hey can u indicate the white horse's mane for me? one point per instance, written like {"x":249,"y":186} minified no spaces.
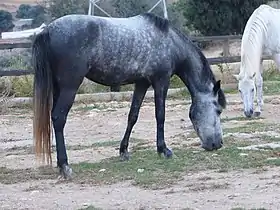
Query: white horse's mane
{"x":254,"y":36}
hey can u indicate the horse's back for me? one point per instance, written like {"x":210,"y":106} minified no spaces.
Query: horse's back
{"x":117,"y":48}
{"x":264,"y":22}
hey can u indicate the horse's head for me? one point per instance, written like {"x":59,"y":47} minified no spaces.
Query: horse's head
{"x":205,"y":114}
{"x":246,"y":87}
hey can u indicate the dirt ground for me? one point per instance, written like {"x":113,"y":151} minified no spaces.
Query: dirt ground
{"x":246,"y":188}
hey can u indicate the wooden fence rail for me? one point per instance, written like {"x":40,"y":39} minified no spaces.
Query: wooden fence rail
{"x":26,"y":43}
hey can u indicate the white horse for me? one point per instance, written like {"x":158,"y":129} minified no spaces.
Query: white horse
{"x":261,"y":35}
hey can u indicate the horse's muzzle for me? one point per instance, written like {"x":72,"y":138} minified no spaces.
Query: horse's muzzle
{"x":212,"y":146}
{"x":249,"y":113}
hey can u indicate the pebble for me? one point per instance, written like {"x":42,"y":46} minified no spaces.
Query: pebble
{"x":140,"y":170}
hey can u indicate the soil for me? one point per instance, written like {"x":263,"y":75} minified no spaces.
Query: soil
{"x":250,"y":188}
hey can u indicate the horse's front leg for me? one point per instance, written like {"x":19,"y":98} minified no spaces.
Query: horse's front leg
{"x":259,"y":90}
{"x":137,"y":99}
{"x":160,"y":89}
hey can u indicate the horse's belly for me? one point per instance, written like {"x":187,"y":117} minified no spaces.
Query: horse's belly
{"x":272,"y":43}
{"x":113,"y":76}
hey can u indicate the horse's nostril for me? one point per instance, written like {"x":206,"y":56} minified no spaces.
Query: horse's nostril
{"x":222,"y":142}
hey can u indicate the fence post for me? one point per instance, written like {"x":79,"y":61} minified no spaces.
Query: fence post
{"x":226,"y":48}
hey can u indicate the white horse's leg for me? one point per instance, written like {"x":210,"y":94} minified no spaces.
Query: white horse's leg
{"x":259,"y":90}
{"x":276,"y":58}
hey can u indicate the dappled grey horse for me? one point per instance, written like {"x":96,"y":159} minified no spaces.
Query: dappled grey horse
{"x":144,"y":50}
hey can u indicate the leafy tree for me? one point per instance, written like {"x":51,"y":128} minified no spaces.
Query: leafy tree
{"x":116,"y":8}
{"x":219,"y":17}
{"x":37,"y":13}
{"x":23,"y":11}
{"x":128,"y":8}
{"x":6,"y":21}
{"x":59,"y":8}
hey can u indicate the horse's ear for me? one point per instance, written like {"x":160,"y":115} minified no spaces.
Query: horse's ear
{"x":253,"y":75}
{"x":217,"y":87}
{"x":236,"y":76}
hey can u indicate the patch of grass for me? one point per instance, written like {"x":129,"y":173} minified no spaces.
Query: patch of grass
{"x":22,"y":86}
{"x":114,"y":143}
{"x":176,"y":82}
{"x":12,"y":176}
{"x":267,"y":138}
{"x":157,"y":172}
{"x":94,"y":145}
{"x":239,"y":208}
{"x":271,"y":87}
{"x":231,"y":91}
{"x":99,"y":106}
{"x":271,"y":74}
{"x":240,"y":119}
{"x":16,"y":62}
{"x":183,"y":94}
{"x":29,"y":149}
{"x":91,"y":107}
{"x":252,"y":127}
{"x":275,"y":162}
{"x":160,"y":172}
{"x":230,"y":141}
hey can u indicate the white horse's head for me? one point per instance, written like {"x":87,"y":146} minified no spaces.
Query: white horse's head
{"x":247,"y":89}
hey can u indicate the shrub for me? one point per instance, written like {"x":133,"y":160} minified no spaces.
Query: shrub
{"x":37,"y":13}
{"x":59,"y":8}
{"x":220,"y":17}
{"x":6,"y":21}
{"x":23,"y":11}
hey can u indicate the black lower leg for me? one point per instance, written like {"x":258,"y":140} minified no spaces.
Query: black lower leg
{"x":59,"y":115}
{"x":160,"y":88}
{"x":138,"y":96}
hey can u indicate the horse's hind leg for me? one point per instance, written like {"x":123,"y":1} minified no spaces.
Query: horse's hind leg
{"x":259,"y":90}
{"x":137,"y":99}
{"x":160,"y":88}
{"x":62,"y":103}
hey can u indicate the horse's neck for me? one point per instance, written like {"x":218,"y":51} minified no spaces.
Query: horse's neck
{"x":252,"y":48}
{"x":193,"y":69}
{"x":197,"y":77}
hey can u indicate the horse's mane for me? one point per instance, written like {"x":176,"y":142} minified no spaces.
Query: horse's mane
{"x":252,"y":40}
{"x":207,"y":73}
{"x":161,"y":23}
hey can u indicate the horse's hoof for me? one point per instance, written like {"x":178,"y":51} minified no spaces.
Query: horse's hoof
{"x":257,"y":114}
{"x":66,"y":172}
{"x":124,"y":156}
{"x":166,"y":152}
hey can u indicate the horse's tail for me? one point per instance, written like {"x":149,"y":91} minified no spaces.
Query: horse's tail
{"x":42,"y":98}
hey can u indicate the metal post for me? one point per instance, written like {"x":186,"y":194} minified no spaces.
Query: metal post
{"x":89,"y":8}
{"x":165,"y":9}
{"x":150,"y":10}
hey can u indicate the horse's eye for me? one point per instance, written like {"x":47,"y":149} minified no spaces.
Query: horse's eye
{"x":219,"y":112}
{"x":252,"y":90}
